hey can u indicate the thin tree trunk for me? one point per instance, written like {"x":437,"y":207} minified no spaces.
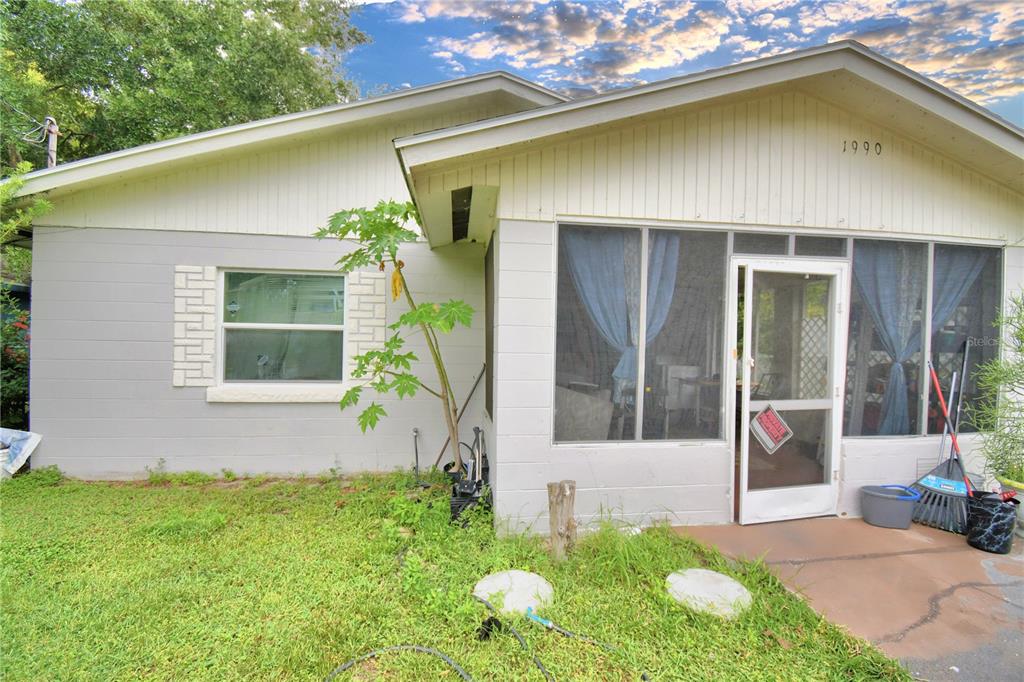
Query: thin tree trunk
{"x":449,"y":404}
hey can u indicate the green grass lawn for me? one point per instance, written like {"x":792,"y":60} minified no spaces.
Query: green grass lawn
{"x":257,"y":579}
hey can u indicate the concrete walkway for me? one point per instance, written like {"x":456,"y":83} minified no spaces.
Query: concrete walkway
{"x":924,"y":596}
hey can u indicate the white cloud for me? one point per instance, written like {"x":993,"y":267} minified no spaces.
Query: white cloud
{"x":746,"y":45}
{"x":412,"y":14}
{"x":815,"y":17}
{"x":970,"y":46}
{"x":589,"y":43}
{"x":959,"y":44}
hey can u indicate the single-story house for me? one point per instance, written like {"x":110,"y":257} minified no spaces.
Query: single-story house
{"x":652,"y":268}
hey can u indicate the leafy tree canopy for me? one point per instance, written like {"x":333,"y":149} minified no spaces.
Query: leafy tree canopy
{"x":119,"y":73}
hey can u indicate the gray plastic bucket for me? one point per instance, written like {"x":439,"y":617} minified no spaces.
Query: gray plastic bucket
{"x":888,"y":506}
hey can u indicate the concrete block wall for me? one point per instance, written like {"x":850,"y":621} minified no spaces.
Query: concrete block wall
{"x":899,"y":460}
{"x":103,"y":360}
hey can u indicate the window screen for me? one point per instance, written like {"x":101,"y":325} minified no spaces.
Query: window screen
{"x":598,"y":362}
{"x":754,"y":243}
{"x":686,"y":276}
{"x":828,"y":247}
{"x":883,"y":375}
{"x":597,"y":331}
{"x":966,"y":289}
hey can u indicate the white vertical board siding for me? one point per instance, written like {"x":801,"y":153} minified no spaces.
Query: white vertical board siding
{"x":777,"y":160}
{"x":285,"y":190}
{"x":637,"y":482}
{"x":102,"y":357}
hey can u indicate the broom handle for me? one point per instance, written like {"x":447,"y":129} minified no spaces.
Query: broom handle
{"x":963,"y":386}
{"x":945,"y":427}
{"x":945,"y":415}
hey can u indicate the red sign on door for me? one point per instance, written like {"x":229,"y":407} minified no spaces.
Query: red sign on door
{"x":770,"y":429}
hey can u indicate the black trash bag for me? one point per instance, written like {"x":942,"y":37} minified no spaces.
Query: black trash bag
{"x":990,"y":522}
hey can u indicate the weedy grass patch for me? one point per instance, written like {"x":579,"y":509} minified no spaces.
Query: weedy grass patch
{"x":285,"y":580}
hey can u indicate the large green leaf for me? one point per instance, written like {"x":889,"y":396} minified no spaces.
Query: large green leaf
{"x":369,"y":417}
{"x":455,"y":312}
{"x":351,"y":397}
{"x":405,"y":385}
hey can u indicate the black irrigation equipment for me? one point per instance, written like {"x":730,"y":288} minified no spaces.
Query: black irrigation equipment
{"x":492,"y":624}
{"x":470,"y":485}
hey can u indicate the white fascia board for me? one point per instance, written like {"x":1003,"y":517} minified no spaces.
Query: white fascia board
{"x":279,"y":128}
{"x":472,"y":138}
{"x":943,"y":103}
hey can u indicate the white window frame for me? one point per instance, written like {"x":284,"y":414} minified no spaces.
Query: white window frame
{"x":327,"y":390}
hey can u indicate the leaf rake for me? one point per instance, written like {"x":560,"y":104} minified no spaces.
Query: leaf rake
{"x":945,"y":489}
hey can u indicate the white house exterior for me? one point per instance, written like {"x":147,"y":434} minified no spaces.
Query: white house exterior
{"x":859,"y":217}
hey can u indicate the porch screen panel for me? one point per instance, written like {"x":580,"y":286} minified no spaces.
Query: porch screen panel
{"x":883,"y":388}
{"x":966,"y":290}
{"x":829,"y":247}
{"x":597,"y":330}
{"x":760,"y":244}
{"x":686,"y":276}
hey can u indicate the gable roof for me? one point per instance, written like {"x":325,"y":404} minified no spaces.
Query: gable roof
{"x":103,"y":167}
{"x":992,"y":143}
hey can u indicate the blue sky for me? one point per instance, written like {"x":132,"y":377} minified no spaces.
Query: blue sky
{"x":975,"y":48}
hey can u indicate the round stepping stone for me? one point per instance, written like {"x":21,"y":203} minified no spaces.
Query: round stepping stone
{"x":516,"y":590}
{"x":708,"y":592}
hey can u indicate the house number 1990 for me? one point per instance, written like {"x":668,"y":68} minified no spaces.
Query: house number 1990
{"x":864,"y":146}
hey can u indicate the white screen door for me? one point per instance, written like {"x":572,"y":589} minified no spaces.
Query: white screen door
{"x":792,"y":362}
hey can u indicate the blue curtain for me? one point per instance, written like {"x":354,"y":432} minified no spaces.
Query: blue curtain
{"x":889,"y":277}
{"x":605,"y":267}
{"x":662,"y":265}
{"x":956,"y":269}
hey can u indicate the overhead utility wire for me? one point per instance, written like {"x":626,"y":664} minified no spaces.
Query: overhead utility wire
{"x":22,"y":113}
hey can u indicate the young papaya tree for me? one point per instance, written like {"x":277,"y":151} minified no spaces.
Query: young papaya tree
{"x":378,"y":233}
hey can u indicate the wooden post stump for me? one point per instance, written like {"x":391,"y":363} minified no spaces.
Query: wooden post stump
{"x":561,"y":503}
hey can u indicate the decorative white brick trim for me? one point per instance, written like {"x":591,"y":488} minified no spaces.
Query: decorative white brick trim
{"x":365,"y":314}
{"x":195,"y":294}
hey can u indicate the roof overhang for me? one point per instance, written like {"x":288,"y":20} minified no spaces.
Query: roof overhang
{"x":845,"y":73}
{"x":282,"y":129}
